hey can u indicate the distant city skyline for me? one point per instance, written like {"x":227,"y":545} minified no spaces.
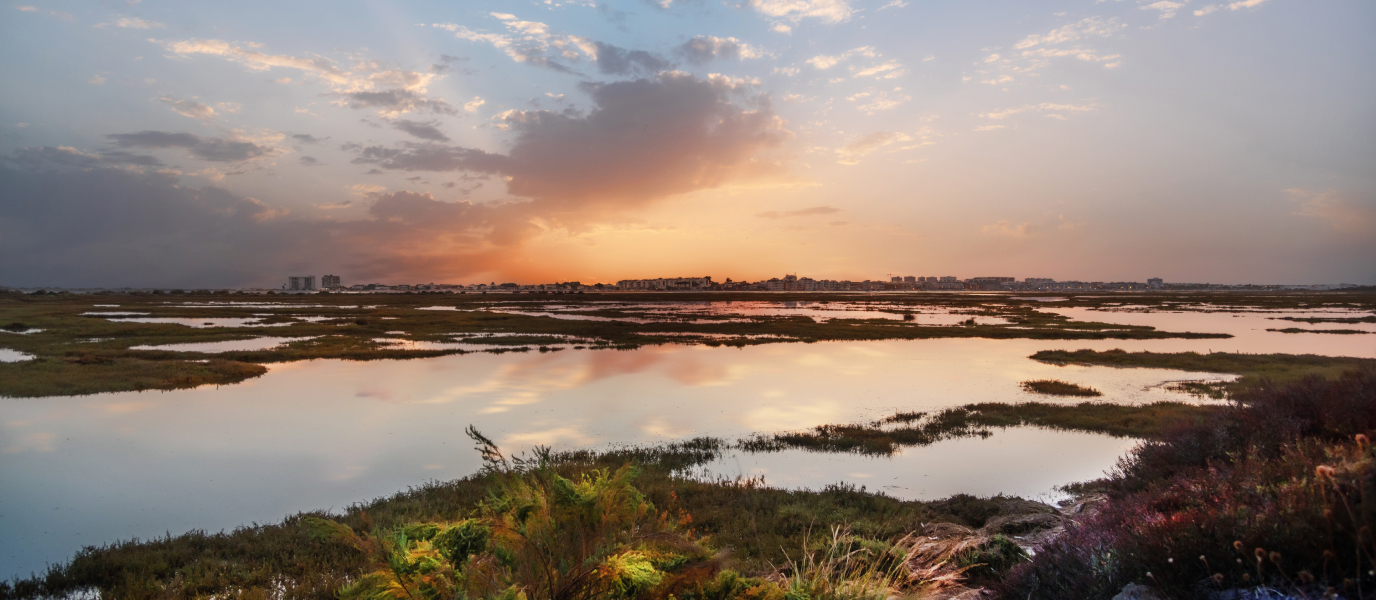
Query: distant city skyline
{"x":217,"y":144}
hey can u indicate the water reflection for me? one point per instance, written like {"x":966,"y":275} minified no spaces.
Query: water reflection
{"x":1012,"y":461}
{"x":1247,"y":328}
{"x":9,"y":355}
{"x":321,"y":434}
{"x":252,"y":344}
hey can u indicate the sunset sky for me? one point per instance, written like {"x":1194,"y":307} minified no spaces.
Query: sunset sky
{"x":219,"y":144}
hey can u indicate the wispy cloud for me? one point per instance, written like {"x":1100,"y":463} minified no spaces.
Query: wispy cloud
{"x":803,"y":212}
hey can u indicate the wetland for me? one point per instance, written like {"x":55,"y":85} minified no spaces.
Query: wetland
{"x":209,"y":412}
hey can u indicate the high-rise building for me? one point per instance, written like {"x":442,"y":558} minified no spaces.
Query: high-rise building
{"x":301,"y":284}
{"x":330,"y":282}
{"x":1155,"y":283}
{"x":909,"y":279}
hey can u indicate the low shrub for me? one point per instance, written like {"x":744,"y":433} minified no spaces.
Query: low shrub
{"x":1272,"y":492}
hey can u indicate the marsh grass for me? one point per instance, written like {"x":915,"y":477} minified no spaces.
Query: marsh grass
{"x":1333,"y":331}
{"x":886,"y":436}
{"x":1056,"y":387}
{"x":352,"y":323}
{"x":763,"y":527}
{"x":1252,"y":368}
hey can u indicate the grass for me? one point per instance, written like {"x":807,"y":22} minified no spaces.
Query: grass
{"x":347,"y":327}
{"x":763,"y":527}
{"x":888,"y":435}
{"x":89,"y":374}
{"x":1334,"y":331}
{"x":1056,"y":387}
{"x":1252,"y":368}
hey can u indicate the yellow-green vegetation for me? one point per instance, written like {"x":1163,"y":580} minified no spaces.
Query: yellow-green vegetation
{"x":619,"y":524}
{"x":350,"y":326}
{"x":1252,"y":368}
{"x":888,"y":435}
{"x":1056,"y":387}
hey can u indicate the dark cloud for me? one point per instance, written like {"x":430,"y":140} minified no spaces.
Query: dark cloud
{"x":211,"y":149}
{"x":644,"y":139}
{"x":306,"y":138}
{"x":424,"y":131}
{"x":703,"y":49}
{"x":615,"y":16}
{"x":447,"y":63}
{"x":309,"y":161}
{"x":113,"y":227}
{"x":804,"y":212}
{"x":431,"y":157}
{"x":49,"y":157}
{"x":619,"y":61}
{"x":399,"y":101}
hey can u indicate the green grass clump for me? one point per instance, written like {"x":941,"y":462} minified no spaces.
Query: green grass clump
{"x":96,"y":373}
{"x":1253,"y":368}
{"x":921,"y":429}
{"x":1056,"y":387}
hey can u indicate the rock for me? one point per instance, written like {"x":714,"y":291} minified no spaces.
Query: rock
{"x":1133,"y":591}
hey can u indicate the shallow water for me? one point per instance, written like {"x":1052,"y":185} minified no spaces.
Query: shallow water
{"x":9,"y":355}
{"x":252,"y":344}
{"x":200,"y":322}
{"x":1248,"y":330}
{"x":323,"y":434}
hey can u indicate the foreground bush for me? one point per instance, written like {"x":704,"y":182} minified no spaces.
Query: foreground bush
{"x":1273,"y":492}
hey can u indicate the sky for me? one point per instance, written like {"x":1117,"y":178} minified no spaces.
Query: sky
{"x":224,"y":144}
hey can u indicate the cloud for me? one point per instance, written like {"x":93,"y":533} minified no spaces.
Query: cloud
{"x":96,"y":80}
{"x":188,"y":108}
{"x":49,"y":158}
{"x":473,"y":106}
{"x":113,"y":227}
{"x":134,"y":23}
{"x":989,"y":127}
{"x":612,"y":60}
{"x":705,"y":48}
{"x":211,"y":149}
{"x":1230,"y":6}
{"x":1342,"y":211}
{"x":1043,"y":107}
{"x":873,"y":103}
{"x":824,"y":62}
{"x":390,"y":103}
{"x":804,"y":212}
{"x":424,"y":131}
{"x":889,"y":70}
{"x":644,"y":139}
{"x":828,"y":11}
{"x":259,"y":61}
{"x":851,"y":153}
{"x":309,"y":161}
{"x":1007,"y":229}
{"x":306,"y":138}
{"x":892,"y":4}
{"x":1166,"y":7}
{"x":1083,"y":29}
{"x":529,"y":42}
{"x":365,"y":85}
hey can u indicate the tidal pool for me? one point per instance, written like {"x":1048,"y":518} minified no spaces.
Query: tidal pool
{"x":260,"y":343}
{"x":323,"y":434}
